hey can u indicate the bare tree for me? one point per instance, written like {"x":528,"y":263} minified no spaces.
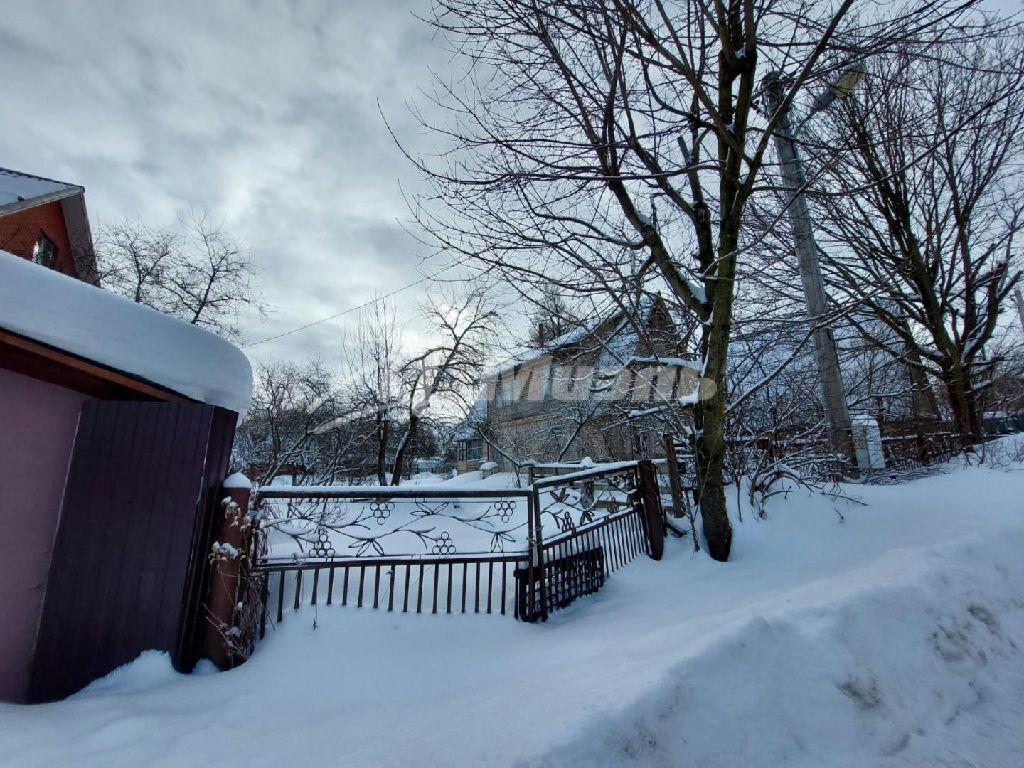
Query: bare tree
{"x":926,"y":208}
{"x":463,"y":328}
{"x":372,"y":359}
{"x":298,"y":424}
{"x":599,"y":145}
{"x":195,"y":271}
{"x":551,"y":317}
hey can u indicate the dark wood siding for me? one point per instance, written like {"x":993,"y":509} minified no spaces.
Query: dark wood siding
{"x":130,"y":553}
{"x":193,"y":618}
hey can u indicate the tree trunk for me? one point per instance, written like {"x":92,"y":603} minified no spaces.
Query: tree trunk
{"x":711,"y":415}
{"x":396,"y":472}
{"x":382,"y":448}
{"x":710,"y":458}
{"x":923,"y":403}
{"x":964,"y":405}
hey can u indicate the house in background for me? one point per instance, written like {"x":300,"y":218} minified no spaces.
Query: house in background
{"x":45,"y":221}
{"x":116,"y":425}
{"x":594,"y":392}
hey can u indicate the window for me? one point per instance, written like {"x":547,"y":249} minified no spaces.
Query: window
{"x":45,"y":252}
{"x":502,"y":394}
{"x":469,"y":450}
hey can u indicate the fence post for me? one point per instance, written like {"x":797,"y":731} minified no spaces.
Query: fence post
{"x":538,"y":543}
{"x":672,"y":462}
{"x":230,"y":566}
{"x":650,"y":508}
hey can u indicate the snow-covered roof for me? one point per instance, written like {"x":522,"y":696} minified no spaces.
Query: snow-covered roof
{"x":616,"y":349}
{"x":75,"y":317}
{"x":18,"y":188}
{"x":526,"y":354}
{"x":467,"y":428}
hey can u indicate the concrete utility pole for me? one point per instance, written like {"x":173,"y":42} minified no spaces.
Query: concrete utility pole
{"x":825,"y":354}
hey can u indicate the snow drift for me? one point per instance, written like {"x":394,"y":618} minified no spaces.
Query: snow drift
{"x":918,"y":664}
{"x":840,"y":634}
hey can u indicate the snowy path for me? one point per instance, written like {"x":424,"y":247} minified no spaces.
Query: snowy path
{"x":893,"y":638}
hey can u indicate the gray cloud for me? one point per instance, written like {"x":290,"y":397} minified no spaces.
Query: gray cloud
{"x":265,"y":113}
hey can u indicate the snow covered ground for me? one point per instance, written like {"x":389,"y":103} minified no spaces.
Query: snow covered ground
{"x":892,"y":636}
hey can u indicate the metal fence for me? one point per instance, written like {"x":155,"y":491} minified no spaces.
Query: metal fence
{"x":441,"y":549}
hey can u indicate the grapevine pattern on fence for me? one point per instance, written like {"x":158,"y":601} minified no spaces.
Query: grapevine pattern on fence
{"x":451,"y":550}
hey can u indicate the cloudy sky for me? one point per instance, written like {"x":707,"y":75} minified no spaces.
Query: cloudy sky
{"x":266,"y":113}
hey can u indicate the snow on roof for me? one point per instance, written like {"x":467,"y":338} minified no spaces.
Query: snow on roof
{"x":619,"y":356}
{"x":622,"y":344}
{"x":467,"y":428}
{"x":526,"y":354}
{"x":16,"y":187}
{"x":97,"y":325}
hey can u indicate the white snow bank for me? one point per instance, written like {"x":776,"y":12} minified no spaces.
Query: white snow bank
{"x":893,"y":637}
{"x":46,"y":306}
{"x":918,"y":662}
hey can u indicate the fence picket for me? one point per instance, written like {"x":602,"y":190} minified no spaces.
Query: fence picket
{"x":419,"y":592}
{"x":476,"y":591}
{"x":465,"y":568}
{"x":449,"y":600}
{"x":280,"y":598}
{"x":437,"y":570}
{"x":490,"y":583}
{"x":408,"y":571}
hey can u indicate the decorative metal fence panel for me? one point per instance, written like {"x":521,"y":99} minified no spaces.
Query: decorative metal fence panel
{"x":449,"y":550}
{"x":600,"y":514}
{"x":578,"y":573}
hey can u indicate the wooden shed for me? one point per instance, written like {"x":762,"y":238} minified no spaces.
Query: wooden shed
{"x":116,"y":425}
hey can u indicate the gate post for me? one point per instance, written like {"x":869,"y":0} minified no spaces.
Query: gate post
{"x":538,"y":543}
{"x":672,"y":462}
{"x":230,"y":568}
{"x":650,"y":508}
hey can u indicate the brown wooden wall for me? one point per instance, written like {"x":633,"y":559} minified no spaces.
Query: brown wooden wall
{"x":129,"y":569}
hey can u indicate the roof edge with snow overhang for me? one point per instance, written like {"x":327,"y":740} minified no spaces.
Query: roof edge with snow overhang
{"x":19,"y":191}
{"x":93,"y":324}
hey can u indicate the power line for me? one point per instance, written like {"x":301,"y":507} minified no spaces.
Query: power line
{"x":364,"y":305}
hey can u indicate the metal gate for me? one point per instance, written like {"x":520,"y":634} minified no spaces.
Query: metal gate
{"x":130,"y":570}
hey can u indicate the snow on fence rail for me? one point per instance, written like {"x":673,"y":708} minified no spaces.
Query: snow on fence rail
{"x":454,"y":550}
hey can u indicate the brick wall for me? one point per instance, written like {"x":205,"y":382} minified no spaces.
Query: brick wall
{"x":19,"y":232}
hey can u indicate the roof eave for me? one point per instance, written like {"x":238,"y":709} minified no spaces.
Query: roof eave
{"x":33,"y":202}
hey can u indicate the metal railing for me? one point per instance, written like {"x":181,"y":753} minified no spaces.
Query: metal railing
{"x":450,"y":550}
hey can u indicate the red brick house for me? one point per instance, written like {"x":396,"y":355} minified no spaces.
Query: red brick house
{"x":45,"y":221}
